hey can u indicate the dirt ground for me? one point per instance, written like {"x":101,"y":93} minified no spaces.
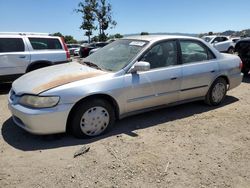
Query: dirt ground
{"x":190,"y":145}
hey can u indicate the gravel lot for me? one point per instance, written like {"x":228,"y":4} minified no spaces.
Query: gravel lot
{"x":190,"y":145}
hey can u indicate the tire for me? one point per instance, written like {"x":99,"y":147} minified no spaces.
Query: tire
{"x":92,"y":118}
{"x":230,"y":50}
{"x":217,"y":92}
{"x":245,"y":72}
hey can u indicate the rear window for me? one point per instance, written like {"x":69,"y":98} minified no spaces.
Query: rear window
{"x":11,"y":45}
{"x":45,"y":44}
{"x":193,"y":51}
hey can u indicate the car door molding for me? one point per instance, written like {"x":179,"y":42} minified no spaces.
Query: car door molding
{"x":192,"y":88}
{"x":151,"y":96}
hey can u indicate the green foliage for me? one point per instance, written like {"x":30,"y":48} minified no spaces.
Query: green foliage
{"x":86,"y":8}
{"x":96,"y":14}
{"x":95,"y":39}
{"x":58,"y":34}
{"x":144,"y":33}
{"x":116,"y":36}
{"x":69,"y":39}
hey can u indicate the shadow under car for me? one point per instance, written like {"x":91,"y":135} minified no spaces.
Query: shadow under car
{"x":22,"y":140}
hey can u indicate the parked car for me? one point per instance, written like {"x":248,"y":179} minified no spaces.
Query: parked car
{"x":243,"y":49}
{"x":235,"y":39}
{"x":84,"y":50}
{"x":76,"y":52}
{"x":73,"y":47}
{"x":93,"y":50}
{"x":24,"y":52}
{"x":129,"y":76}
{"x":221,"y":43}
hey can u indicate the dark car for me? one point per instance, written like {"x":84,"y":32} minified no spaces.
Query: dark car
{"x":72,"y":48}
{"x":243,"y":49}
{"x":84,"y":50}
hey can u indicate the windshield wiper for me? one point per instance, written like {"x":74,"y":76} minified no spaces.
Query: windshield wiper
{"x":90,"y":64}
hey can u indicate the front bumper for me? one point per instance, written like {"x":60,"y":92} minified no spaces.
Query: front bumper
{"x":41,"y":121}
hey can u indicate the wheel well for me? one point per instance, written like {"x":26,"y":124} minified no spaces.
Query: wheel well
{"x":38,"y":63}
{"x":105,"y":97}
{"x":226,"y":78}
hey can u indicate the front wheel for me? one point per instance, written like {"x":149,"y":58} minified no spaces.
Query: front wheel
{"x":217,"y":92}
{"x":92,"y":118}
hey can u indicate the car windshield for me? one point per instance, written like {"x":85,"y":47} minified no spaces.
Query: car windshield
{"x":116,"y":55}
{"x":207,"y":39}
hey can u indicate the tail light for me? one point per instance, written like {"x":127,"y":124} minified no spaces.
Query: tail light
{"x":66,"y":48}
{"x":241,"y":65}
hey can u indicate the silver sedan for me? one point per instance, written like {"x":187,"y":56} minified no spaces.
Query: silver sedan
{"x":128,"y":76}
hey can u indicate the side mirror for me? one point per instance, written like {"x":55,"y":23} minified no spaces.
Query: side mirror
{"x":140,"y":66}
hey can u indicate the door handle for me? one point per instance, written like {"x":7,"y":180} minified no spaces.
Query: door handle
{"x":174,"y":78}
{"x":22,"y":56}
{"x":213,"y":71}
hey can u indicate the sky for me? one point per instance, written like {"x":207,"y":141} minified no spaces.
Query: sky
{"x":132,"y":16}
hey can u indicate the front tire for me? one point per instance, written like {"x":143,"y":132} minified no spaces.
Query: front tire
{"x":92,"y":118}
{"x":217,"y":92}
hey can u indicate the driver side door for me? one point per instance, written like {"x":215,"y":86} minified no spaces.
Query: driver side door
{"x":158,"y":86}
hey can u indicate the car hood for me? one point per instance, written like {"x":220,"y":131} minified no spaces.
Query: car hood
{"x":50,"y":77}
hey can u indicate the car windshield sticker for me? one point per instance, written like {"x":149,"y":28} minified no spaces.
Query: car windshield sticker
{"x":137,"y":43}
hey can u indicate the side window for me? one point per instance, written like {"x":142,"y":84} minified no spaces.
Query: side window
{"x":224,"y":39}
{"x":11,"y":45}
{"x":194,"y":52}
{"x":217,"y":39}
{"x":162,"y":55}
{"x":45,"y":44}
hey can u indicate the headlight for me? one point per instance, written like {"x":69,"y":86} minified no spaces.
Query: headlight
{"x":39,"y":101}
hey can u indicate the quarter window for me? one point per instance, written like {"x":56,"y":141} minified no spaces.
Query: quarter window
{"x":11,"y":45}
{"x":194,"y":52}
{"x":45,"y":44}
{"x":162,"y":55}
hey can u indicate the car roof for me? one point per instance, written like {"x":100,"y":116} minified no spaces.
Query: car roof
{"x":21,"y":36}
{"x":245,"y":39}
{"x":213,"y":36}
{"x":152,"y":38}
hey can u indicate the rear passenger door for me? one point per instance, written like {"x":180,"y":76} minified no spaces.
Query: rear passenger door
{"x":199,"y":69}
{"x":14,"y":56}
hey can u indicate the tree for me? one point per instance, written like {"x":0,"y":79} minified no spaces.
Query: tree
{"x":116,"y":36}
{"x":103,"y":12}
{"x":58,"y":34}
{"x":69,"y":39}
{"x":144,"y":33}
{"x":87,"y":9}
{"x":210,"y":33}
{"x":96,"y":14}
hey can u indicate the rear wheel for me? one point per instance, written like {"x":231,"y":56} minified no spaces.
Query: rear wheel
{"x":245,"y":72}
{"x":217,"y":92}
{"x":92,"y":118}
{"x":230,"y":50}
